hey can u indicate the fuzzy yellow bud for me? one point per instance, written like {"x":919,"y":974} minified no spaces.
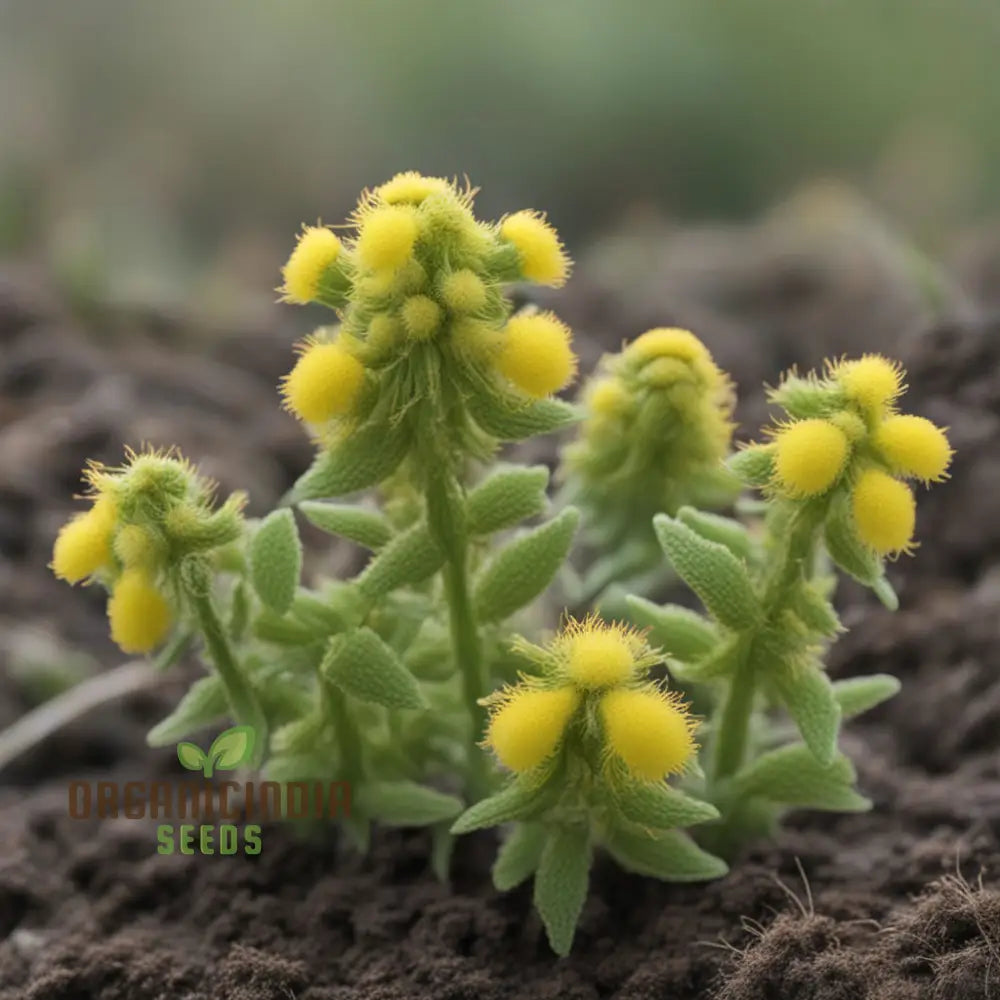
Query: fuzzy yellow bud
{"x":83,"y":546}
{"x":387,"y":236}
{"x":526,"y":729}
{"x":421,"y":317}
{"x":884,"y":512}
{"x":872,"y":381}
{"x":536,"y":354}
{"x":138,"y":613}
{"x":463,"y":291}
{"x":542,"y":256}
{"x":324,"y":383}
{"x":914,"y":446}
{"x":809,"y":457}
{"x":411,"y":187}
{"x":315,"y":253}
{"x":600,"y":657}
{"x":668,"y":342}
{"x":650,"y":731}
{"x":606,"y":397}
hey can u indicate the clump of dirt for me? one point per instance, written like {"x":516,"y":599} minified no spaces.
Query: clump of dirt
{"x":853,"y":907}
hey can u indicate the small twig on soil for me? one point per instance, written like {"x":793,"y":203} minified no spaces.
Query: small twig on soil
{"x":40,"y":723}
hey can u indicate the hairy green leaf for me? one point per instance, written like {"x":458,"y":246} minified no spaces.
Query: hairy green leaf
{"x":814,"y":610}
{"x":846,"y":549}
{"x":405,"y":803}
{"x":858,"y":694}
{"x":662,"y":806}
{"x":753,"y":465}
{"x":276,"y":560}
{"x":808,"y":695}
{"x":358,"y":524}
{"x":506,"y":498}
{"x":712,"y":571}
{"x":519,"y":856}
{"x":561,"y":883}
{"x":717,"y":528}
{"x":517,"y":800}
{"x":409,"y":558}
{"x":679,"y":631}
{"x":513,"y":418}
{"x":668,"y":855}
{"x":204,"y":703}
{"x":522,"y":570}
{"x":361,"y":664}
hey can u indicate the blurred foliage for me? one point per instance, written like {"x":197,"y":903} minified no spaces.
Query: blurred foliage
{"x":177,"y":133}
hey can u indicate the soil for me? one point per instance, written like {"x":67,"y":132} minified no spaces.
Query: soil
{"x":902,"y":903}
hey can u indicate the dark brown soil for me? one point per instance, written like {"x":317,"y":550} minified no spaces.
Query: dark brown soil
{"x":902,"y":903}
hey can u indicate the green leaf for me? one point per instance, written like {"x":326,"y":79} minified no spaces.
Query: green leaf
{"x":803,"y":398}
{"x":679,"y":631}
{"x":792,"y":776}
{"x":522,"y":570}
{"x":442,"y":849}
{"x":233,"y":747}
{"x":808,"y":695}
{"x":514,"y":418}
{"x":753,"y":465}
{"x":858,"y":694}
{"x":717,"y":528}
{"x":276,"y":560}
{"x":519,"y":856}
{"x":561,"y":884}
{"x":362,"y":665}
{"x":506,"y":498}
{"x":204,"y":703}
{"x":668,"y":855}
{"x":711,"y":571}
{"x":517,"y":801}
{"x":271,"y":627}
{"x":368,"y":456}
{"x":814,"y":610}
{"x":191,"y":756}
{"x":409,"y":558}
{"x":405,"y":803}
{"x":365,"y":527}
{"x":662,"y":806}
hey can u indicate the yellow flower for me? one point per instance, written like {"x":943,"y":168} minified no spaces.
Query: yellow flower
{"x":315,"y":253}
{"x":914,"y":446}
{"x":411,"y":187}
{"x":324,"y":383}
{"x":387,"y":236}
{"x":809,"y":457}
{"x":872,"y":381}
{"x":606,"y":397}
{"x":528,"y":726}
{"x":138,"y":614}
{"x":421,"y":317}
{"x":668,"y":342}
{"x":536,"y":355}
{"x":599,"y":655}
{"x":83,"y":545}
{"x":649,"y":730}
{"x":463,"y":291}
{"x":135,"y":546}
{"x":884,"y":512}
{"x":542,"y":256}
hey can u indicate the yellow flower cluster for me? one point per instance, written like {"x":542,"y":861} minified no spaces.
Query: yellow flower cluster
{"x":151,"y":507}
{"x":593,"y":678}
{"x":862,"y":442}
{"x":419,"y":269}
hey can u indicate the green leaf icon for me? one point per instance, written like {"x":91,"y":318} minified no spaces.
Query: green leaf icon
{"x":191,"y":756}
{"x":232,"y":748}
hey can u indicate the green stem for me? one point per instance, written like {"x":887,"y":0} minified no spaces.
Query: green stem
{"x":733,"y":720}
{"x":241,"y":697}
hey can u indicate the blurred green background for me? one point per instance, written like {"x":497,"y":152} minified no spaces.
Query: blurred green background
{"x":164,"y":148}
